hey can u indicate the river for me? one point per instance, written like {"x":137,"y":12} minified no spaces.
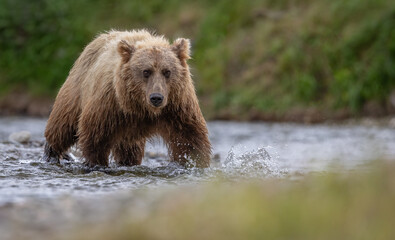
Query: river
{"x":61,"y":194}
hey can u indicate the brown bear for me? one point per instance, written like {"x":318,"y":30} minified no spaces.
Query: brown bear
{"x":126,"y":87}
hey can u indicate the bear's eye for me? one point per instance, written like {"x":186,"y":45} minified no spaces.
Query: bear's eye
{"x":166,"y":73}
{"x":147,"y":73}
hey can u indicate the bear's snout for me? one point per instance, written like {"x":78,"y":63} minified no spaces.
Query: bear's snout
{"x":156,"y":99}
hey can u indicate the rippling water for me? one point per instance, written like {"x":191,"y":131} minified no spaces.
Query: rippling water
{"x":47,"y":199}
{"x":241,"y":151}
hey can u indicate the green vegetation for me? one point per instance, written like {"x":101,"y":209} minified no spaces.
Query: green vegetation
{"x":326,"y":206}
{"x":248,"y":56}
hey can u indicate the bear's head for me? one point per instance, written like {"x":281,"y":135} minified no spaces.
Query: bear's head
{"x":152,"y":73}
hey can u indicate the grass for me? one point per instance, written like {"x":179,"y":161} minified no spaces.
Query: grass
{"x":248,"y":56}
{"x":356,"y":205}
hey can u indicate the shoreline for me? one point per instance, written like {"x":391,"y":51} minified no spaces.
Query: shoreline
{"x":24,"y":105}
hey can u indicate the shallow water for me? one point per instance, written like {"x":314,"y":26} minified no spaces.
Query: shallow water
{"x":41,"y":200}
{"x":241,"y":151}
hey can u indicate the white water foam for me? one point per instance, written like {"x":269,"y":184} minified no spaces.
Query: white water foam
{"x":251,"y":163}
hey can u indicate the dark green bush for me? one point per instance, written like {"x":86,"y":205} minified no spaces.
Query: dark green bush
{"x":365,"y":63}
{"x":39,"y":42}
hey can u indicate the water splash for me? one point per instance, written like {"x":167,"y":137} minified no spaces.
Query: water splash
{"x":255,"y":163}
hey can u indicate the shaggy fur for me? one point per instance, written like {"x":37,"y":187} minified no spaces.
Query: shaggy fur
{"x":104,"y":105}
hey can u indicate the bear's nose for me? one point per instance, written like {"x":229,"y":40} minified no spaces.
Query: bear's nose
{"x":156,"y":99}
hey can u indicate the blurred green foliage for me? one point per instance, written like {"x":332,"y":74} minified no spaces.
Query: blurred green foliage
{"x":39,"y":41}
{"x":268,"y":56}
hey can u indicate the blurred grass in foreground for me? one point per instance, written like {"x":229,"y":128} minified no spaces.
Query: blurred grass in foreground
{"x":356,"y":205}
{"x":248,"y":56}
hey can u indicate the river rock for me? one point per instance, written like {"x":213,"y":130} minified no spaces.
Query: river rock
{"x":20,"y":137}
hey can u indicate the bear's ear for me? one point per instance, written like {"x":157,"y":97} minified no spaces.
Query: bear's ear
{"x":181,"y":47}
{"x":125,"y":50}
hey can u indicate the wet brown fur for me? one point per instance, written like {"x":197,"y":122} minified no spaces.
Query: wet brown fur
{"x":104,"y":103}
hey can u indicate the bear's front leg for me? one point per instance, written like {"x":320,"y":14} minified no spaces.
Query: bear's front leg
{"x":95,"y":152}
{"x":129,"y":152}
{"x":189,"y":143}
{"x":96,"y":134}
